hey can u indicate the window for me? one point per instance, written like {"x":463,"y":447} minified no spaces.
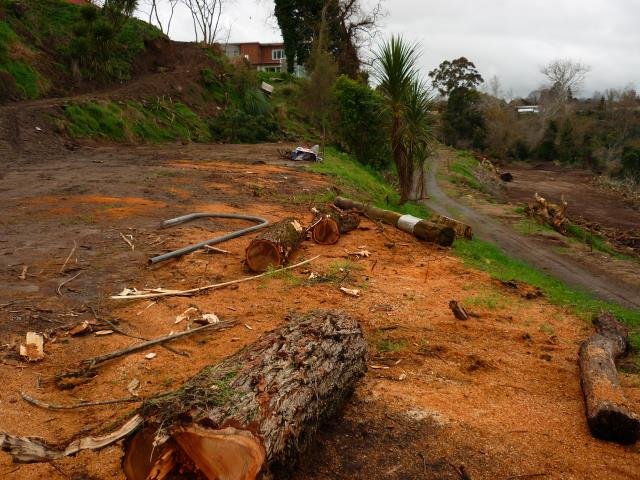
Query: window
{"x":277,"y":54}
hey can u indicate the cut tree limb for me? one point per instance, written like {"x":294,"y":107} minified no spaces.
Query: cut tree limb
{"x":330,"y":223}
{"x":273,"y":246}
{"x":257,"y":409}
{"x":424,"y":230}
{"x":609,"y":414}
{"x":458,"y":310}
{"x":462,"y":230}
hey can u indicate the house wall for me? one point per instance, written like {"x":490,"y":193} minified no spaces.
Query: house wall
{"x":252,"y":51}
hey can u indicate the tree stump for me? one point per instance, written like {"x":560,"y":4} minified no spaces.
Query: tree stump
{"x":608,"y":412}
{"x":329,"y":224}
{"x":259,"y":408}
{"x":274,"y":245}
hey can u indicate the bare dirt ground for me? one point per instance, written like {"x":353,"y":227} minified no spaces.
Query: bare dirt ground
{"x":498,"y":394}
{"x":494,"y":219}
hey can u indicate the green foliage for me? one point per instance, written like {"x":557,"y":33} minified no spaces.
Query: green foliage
{"x":547,"y":148}
{"x":363,"y":183}
{"x":391,"y":345}
{"x":7,"y":36}
{"x":567,"y":149}
{"x":26,"y":79}
{"x":463,"y":122}
{"x":362,"y":122}
{"x":235,"y":125}
{"x":489,"y":258}
{"x":631,"y":162}
{"x":456,"y":74}
{"x":156,"y":121}
{"x":399,"y":83}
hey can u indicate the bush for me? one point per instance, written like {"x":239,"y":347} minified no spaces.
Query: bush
{"x":235,"y":125}
{"x":361,"y":122}
{"x":631,"y":162}
{"x":463,"y":122}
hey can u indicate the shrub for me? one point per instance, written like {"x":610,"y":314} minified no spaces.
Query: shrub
{"x":361,"y":122}
{"x":631,"y":162}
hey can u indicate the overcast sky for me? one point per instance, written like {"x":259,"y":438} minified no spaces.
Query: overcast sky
{"x":508,"y":38}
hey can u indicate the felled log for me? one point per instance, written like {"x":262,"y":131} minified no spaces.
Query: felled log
{"x":548,"y":213}
{"x":461,"y":229}
{"x":608,"y":412}
{"x":274,"y":245}
{"x":259,"y":408}
{"x":329,"y":224}
{"x":424,"y":230}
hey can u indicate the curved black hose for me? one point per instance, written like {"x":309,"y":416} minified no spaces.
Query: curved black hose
{"x":193,"y":216}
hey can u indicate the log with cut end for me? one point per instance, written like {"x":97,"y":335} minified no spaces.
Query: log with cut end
{"x":273,"y":246}
{"x":462,"y":230}
{"x":424,"y":230}
{"x":609,"y":414}
{"x":330,"y":223}
{"x":259,"y":408}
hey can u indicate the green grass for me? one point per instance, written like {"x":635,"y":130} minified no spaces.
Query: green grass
{"x":364,"y":184}
{"x":596,"y":241}
{"x":26,"y":78}
{"x":156,"y":121}
{"x":489,"y":258}
{"x":390,"y":345}
{"x":528,"y":226}
{"x":490,"y":300}
{"x":463,"y":168}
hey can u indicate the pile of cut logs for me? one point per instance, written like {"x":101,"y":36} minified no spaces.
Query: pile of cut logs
{"x":547,"y":213}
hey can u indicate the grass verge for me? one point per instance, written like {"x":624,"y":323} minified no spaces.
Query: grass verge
{"x":364,"y":184}
{"x":489,"y":258}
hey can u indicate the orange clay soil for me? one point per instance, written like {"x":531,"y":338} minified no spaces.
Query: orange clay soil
{"x":494,"y":397}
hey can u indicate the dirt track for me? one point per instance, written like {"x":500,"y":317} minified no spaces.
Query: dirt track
{"x":499,"y":394}
{"x":601,"y":279}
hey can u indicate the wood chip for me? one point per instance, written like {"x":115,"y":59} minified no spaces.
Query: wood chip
{"x":352,"y":292}
{"x":361,"y":254}
{"x":133,"y":387}
{"x":379,"y":367}
{"x":101,"y":333}
{"x":150,"y":356}
{"x":248,"y":326}
{"x":23,"y":275}
{"x":33,"y":350}
{"x":189,"y":314}
{"x":80,"y":329}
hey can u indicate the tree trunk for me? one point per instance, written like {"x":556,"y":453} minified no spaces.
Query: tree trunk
{"x":330,"y":224}
{"x":422,"y":229}
{"x":258,"y":409}
{"x":274,"y":245}
{"x":608,"y":412}
{"x":462,"y":230}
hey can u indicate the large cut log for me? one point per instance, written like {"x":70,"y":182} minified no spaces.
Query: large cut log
{"x":330,"y":223}
{"x":608,"y":412}
{"x":462,"y":230}
{"x":424,"y":230}
{"x":273,"y":246}
{"x":548,"y":213}
{"x":259,"y":408}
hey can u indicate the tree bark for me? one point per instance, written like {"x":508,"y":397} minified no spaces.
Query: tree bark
{"x":608,"y":412}
{"x":462,"y":230}
{"x":256,"y":410}
{"x":330,"y":224}
{"x":424,"y":230}
{"x":274,"y":245}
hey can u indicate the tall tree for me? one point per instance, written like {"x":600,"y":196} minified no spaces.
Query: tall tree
{"x":348,"y":24}
{"x":205,"y":15}
{"x":458,"y":73}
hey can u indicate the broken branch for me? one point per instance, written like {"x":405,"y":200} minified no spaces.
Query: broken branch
{"x":54,"y":406}
{"x":167,"y":293}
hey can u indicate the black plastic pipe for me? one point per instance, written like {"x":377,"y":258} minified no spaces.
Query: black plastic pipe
{"x":193,"y":216}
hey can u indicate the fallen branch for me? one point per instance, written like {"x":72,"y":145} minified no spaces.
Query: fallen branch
{"x":138,"y":294}
{"x":65,"y":282}
{"x":127,"y":241}
{"x":141,"y":346}
{"x":458,"y":310}
{"x":54,"y":406}
{"x":75,"y":245}
{"x":216,"y":249}
{"x":31,"y":450}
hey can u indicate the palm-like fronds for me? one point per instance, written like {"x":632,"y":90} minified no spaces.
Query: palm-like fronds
{"x":395,"y":69}
{"x":419,"y":123}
